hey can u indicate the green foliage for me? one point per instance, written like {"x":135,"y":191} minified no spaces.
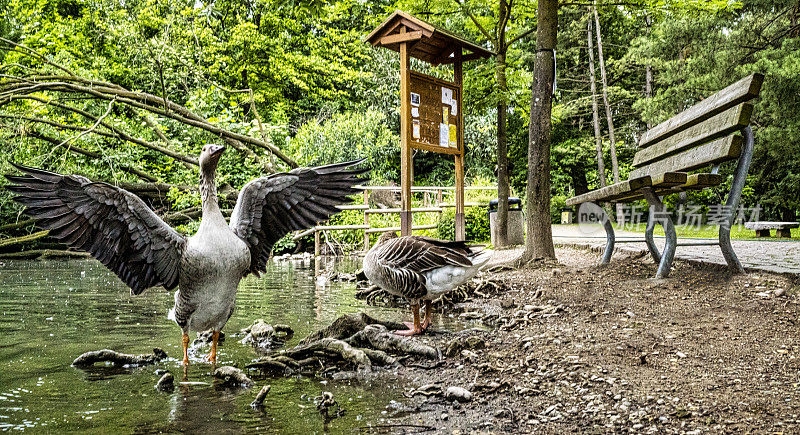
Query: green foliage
{"x":350,"y":136}
{"x":477,"y":225}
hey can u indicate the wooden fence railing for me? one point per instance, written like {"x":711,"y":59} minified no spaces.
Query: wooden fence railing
{"x":433,"y":202}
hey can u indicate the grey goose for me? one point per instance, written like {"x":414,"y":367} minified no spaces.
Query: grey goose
{"x":421,"y":268}
{"x":125,"y":235}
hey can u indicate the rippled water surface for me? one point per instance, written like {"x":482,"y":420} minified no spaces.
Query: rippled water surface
{"x":52,"y":311}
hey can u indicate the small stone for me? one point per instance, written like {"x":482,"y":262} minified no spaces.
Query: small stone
{"x":458,"y":393}
{"x":557,"y":272}
{"x":445,"y":416}
{"x":680,"y":354}
{"x":507,"y":303}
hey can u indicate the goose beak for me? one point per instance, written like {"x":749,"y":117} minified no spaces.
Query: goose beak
{"x":217,"y":150}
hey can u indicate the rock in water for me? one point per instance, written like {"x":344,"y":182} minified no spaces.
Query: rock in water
{"x":264,"y":337}
{"x":166,"y":383}
{"x":458,"y":393}
{"x":232,"y":376}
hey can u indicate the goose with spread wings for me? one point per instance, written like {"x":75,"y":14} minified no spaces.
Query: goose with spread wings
{"x":119,"y":230}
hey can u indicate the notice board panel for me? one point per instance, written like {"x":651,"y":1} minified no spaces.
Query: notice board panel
{"x":435,"y":110}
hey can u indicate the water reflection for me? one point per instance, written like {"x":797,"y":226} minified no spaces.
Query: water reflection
{"x":52,"y":311}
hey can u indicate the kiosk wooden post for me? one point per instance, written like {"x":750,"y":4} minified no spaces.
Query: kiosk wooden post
{"x":431,"y":109}
{"x":406,"y":162}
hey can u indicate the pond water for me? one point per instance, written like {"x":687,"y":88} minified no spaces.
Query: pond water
{"x":52,"y":311}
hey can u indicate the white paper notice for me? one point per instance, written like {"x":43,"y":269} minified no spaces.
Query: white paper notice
{"x":447,"y":96}
{"x":444,"y":135}
{"x":415,"y":112}
{"x":415,"y":129}
{"x":454,"y":108}
{"x":414,"y":99}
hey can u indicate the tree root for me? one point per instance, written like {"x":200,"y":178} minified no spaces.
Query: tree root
{"x":353,"y":340}
{"x":106,"y":355}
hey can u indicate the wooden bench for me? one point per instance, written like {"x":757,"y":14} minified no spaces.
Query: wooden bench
{"x":709,"y":133}
{"x":784,"y":229}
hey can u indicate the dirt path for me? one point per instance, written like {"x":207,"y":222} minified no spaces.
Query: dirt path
{"x":603,"y":349}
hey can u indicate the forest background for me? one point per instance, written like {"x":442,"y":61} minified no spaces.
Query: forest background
{"x":296,"y":77}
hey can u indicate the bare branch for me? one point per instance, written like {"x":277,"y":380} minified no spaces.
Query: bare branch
{"x":94,"y":126}
{"x":472,"y":17}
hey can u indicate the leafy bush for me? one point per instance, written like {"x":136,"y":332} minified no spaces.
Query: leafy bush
{"x":477,"y":224}
{"x":349,"y":136}
{"x":557,"y":203}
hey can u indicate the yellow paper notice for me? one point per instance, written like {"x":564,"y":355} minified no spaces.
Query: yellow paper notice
{"x":453,"y":138}
{"x":445,"y":115}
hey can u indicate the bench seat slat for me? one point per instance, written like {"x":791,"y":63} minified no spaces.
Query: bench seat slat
{"x":718,"y":151}
{"x":723,"y":124}
{"x":611,"y":191}
{"x":744,"y":90}
{"x":693,"y":182}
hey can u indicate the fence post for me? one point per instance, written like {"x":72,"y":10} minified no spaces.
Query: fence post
{"x":366,"y":220}
{"x":316,"y":243}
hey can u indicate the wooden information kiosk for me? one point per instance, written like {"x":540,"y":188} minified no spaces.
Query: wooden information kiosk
{"x":431,"y":112}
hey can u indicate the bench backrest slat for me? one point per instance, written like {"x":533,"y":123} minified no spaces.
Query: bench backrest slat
{"x":720,"y":150}
{"x":720,"y":125}
{"x":744,"y":90}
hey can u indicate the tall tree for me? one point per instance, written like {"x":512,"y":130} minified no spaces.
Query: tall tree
{"x":539,"y":241}
{"x":609,"y":116}
{"x":501,"y":42}
{"x":601,"y":167}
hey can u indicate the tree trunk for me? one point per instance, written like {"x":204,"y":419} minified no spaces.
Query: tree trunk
{"x":601,"y":166}
{"x":502,"y":143}
{"x":578,"y":175}
{"x":609,"y":118}
{"x":502,"y":160}
{"x":648,"y":72}
{"x":539,"y":240}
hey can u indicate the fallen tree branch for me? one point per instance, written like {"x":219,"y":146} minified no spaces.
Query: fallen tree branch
{"x":16,"y":225}
{"x":44,"y":253}
{"x":115,"y":132}
{"x":23,"y":239}
{"x":140,"y":100}
{"x":91,"y":154}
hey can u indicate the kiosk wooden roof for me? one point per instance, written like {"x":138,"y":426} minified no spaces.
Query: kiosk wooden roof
{"x":413,"y":37}
{"x":427,"y":42}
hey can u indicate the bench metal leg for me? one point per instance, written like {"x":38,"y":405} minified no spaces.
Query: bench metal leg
{"x":739,"y":177}
{"x":659,"y":212}
{"x":609,"y":240}
{"x":648,"y":237}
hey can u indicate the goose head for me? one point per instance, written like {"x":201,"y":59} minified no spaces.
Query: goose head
{"x":209,"y":157}
{"x":388,"y":235}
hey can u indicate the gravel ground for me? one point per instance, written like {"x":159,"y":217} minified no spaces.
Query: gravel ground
{"x":570,"y":347}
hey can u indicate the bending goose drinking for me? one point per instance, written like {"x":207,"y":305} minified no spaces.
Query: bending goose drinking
{"x":119,"y":230}
{"x":421,"y":268}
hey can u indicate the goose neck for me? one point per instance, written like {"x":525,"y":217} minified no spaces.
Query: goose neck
{"x":208,"y":196}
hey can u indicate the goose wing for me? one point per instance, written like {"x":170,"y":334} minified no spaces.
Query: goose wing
{"x":421,"y":254}
{"x":269,"y":208}
{"x":112,"y":224}
{"x":404,"y":262}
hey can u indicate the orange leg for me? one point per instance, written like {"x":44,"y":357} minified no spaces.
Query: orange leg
{"x":213,"y":355}
{"x":185,"y":350}
{"x":417,"y":328}
{"x":428,"y":315}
